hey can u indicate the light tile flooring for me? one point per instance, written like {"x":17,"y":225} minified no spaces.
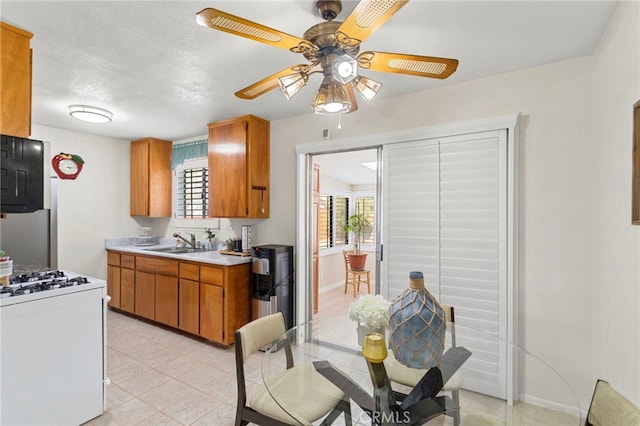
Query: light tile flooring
{"x":162,"y":377}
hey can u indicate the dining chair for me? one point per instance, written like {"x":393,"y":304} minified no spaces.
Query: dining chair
{"x":403,"y":375}
{"x":610,"y":408}
{"x":354,"y":277}
{"x":308,"y":394}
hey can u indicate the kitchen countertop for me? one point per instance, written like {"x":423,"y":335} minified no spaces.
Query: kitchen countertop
{"x":213,"y":257}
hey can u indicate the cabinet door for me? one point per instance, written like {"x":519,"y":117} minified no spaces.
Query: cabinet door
{"x":113,"y":285}
{"x":15,"y":80}
{"x":167,"y":300}
{"x":127,"y":290}
{"x":145,"y":295}
{"x":139,"y":179}
{"x":189,"y":306}
{"x":259,"y":167}
{"x":228,"y":170}
{"x":160,"y":178}
{"x":211,"y":303}
{"x":151,"y":177}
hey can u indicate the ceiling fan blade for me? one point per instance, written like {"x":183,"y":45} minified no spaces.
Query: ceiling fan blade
{"x":368,"y":16}
{"x":226,"y":22}
{"x":269,"y":83}
{"x":422,"y":66}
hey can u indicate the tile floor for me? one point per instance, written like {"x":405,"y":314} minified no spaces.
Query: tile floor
{"x":162,"y":377}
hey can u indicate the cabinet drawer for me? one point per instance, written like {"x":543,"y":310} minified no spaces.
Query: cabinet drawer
{"x":189,"y":271}
{"x":113,"y":259}
{"x":211,"y":275}
{"x":156,"y":265}
{"x":128,"y":261}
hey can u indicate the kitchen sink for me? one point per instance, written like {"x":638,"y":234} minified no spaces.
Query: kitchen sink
{"x":176,"y":250}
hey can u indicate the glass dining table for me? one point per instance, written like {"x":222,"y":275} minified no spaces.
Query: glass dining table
{"x":376,"y":399}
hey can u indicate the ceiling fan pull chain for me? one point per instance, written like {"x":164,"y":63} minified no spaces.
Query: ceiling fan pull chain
{"x":339,"y":121}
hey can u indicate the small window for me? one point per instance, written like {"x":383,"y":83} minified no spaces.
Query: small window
{"x":331,"y":220}
{"x":193,"y":193}
{"x":341,"y":207}
{"x":367,"y":207}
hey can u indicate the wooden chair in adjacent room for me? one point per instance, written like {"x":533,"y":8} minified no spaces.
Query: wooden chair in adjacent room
{"x":403,"y":375}
{"x":354,"y":277}
{"x":297,"y":386}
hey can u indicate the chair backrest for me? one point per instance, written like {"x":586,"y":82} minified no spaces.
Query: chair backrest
{"x":449,"y":313}
{"x":259,"y":333}
{"x":609,"y":408}
{"x":346,"y":259}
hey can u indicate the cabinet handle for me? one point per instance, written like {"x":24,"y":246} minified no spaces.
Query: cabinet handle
{"x":261,"y":189}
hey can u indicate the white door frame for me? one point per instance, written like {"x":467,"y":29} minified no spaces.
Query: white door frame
{"x":304,"y":171}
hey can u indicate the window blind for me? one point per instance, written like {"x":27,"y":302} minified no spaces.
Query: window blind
{"x":193,"y":193}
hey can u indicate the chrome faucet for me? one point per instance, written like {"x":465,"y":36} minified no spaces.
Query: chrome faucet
{"x":192,"y":243}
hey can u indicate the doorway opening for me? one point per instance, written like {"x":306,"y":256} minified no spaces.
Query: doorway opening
{"x":344,"y":183}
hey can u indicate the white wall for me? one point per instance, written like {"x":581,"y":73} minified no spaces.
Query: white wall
{"x":561,"y":246}
{"x":615,"y":247}
{"x":554,"y":101}
{"x":96,"y":204}
{"x":576,"y":244}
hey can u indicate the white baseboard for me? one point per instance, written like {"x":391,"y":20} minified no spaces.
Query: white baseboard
{"x":330,"y":287}
{"x":551,"y":405}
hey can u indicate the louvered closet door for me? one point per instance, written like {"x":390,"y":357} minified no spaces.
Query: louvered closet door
{"x":445,"y":215}
{"x":412,"y":206}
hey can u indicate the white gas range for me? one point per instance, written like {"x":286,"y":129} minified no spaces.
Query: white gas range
{"x":52,"y":349}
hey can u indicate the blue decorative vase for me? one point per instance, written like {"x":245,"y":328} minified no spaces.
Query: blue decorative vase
{"x":417,"y":326}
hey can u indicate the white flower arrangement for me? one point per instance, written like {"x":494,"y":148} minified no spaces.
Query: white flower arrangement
{"x":370,"y":311}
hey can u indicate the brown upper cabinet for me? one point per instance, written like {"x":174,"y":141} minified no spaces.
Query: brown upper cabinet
{"x":15,"y":78}
{"x":239,"y":168}
{"x":151,"y":177}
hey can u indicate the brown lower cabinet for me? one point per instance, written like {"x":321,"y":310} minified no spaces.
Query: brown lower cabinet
{"x":189,"y":306}
{"x":167,"y":300}
{"x":211,"y":301}
{"x":211,"y":319}
{"x":127,"y":289}
{"x":145,"y":295}
{"x":120,"y":281}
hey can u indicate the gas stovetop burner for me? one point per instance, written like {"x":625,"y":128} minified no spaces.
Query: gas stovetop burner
{"x":39,"y":281}
{"x":35,"y":276}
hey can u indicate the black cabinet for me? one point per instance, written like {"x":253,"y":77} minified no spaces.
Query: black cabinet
{"x":21,"y":175}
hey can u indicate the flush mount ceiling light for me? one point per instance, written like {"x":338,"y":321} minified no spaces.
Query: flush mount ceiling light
{"x":371,"y":165}
{"x":332,"y":49}
{"x":90,"y":114}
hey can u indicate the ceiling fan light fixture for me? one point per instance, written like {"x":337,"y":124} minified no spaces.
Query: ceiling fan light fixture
{"x":332,"y":98}
{"x":367,"y":87}
{"x":292,"y":83}
{"x":344,"y":69}
{"x":90,"y":114}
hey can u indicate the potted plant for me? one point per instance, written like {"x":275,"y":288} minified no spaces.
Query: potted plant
{"x":210,"y":236}
{"x":359,"y":225}
{"x":371,"y":313}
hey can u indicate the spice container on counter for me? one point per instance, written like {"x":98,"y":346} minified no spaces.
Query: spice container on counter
{"x":6,"y":269}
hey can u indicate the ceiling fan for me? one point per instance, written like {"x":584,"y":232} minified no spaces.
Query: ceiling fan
{"x":332,"y":49}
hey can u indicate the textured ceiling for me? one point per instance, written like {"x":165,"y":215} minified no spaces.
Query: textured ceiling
{"x":161,"y":74}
